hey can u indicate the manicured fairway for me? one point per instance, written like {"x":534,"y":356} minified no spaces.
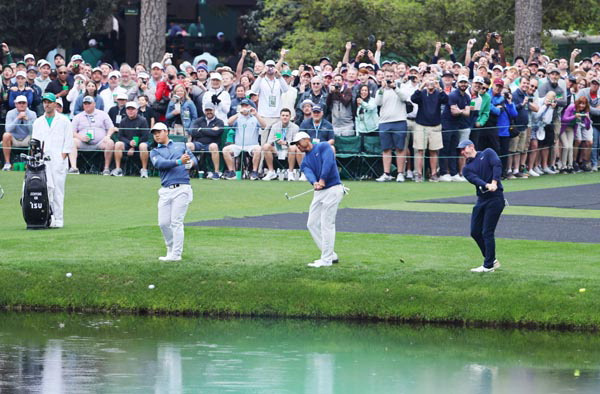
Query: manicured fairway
{"x":111,"y":242}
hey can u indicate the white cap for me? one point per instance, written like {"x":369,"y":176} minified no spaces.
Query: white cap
{"x":121,"y":96}
{"x":21,"y":74}
{"x":131,"y":104}
{"x":59,"y":101}
{"x":114,"y":74}
{"x":76,"y":57}
{"x":80,"y":76}
{"x":462,"y":78}
{"x":499,"y":67}
{"x":250,"y":92}
{"x":21,"y":99}
{"x":143,"y":74}
{"x":29,"y":56}
{"x":159,"y":126}
{"x":270,"y":63}
{"x":43,"y":62}
{"x":300,"y":136}
{"x":478,"y":79}
{"x":157,"y":65}
{"x":216,"y":76}
{"x":96,"y":69}
{"x":316,"y":79}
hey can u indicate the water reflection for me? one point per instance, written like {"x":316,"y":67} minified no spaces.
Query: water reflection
{"x":58,"y":353}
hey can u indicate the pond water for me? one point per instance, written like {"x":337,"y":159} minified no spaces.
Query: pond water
{"x":77,"y":353}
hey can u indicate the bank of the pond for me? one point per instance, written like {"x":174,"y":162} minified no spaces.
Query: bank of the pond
{"x":111,"y":242}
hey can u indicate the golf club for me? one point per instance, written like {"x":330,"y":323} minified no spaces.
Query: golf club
{"x":1,"y":192}
{"x":298,"y":195}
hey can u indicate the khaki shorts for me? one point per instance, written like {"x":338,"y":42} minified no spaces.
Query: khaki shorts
{"x":524,"y":138}
{"x":24,"y":143}
{"x":584,"y":134}
{"x":94,"y":147}
{"x":428,"y":136}
{"x":264,"y":135}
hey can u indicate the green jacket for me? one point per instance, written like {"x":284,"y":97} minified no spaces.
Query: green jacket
{"x":484,"y":112}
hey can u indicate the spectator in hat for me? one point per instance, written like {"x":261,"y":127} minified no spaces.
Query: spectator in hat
{"x":318,"y":127}
{"x":92,"y":130}
{"x":156,"y":73}
{"x":524,"y":104}
{"x":29,"y":60}
{"x":592,"y":94}
{"x":217,"y":96}
{"x":92,"y":55}
{"x":18,"y":129}
{"x":118,"y":113}
{"x":316,"y":94}
{"x":503,"y":109}
{"x":163,"y":92}
{"x":289,"y":98}
{"x":210,"y":61}
{"x":181,"y":111}
{"x":141,"y":87}
{"x":43,"y":79}
{"x":269,"y":86}
{"x":133,"y":136}
{"x":32,"y":73}
{"x":20,"y":88}
{"x":205,"y":136}
{"x":90,"y":89}
{"x":552,"y":84}
{"x":306,"y":112}
{"x":247,"y":124}
{"x":110,"y":94}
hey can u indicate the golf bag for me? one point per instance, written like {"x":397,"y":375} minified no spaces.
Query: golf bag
{"x":34,"y":200}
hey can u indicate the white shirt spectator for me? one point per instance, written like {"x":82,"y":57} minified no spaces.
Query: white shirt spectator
{"x":269,"y":95}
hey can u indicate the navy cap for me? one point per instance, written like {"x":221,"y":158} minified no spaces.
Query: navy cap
{"x":248,"y":102}
{"x":463,"y":144}
{"x":317,"y":108}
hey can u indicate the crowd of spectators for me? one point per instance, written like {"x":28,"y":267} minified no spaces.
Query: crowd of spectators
{"x":541,"y":115}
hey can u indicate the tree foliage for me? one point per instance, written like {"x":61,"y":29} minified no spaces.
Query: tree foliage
{"x":410,"y":28}
{"x":39,"y":25}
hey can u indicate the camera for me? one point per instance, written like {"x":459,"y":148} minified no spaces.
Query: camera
{"x":337,"y":86}
{"x":171,"y":76}
{"x":494,"y":35}
{"x":389,"y":82}
{"x":507,"y":96}
{"x":412,"y":77}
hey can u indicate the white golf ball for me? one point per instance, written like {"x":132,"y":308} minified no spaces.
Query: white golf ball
{"x":69,"y":274}
{"x":151,"y":287}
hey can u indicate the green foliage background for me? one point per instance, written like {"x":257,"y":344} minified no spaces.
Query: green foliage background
{"x":311,"y":28}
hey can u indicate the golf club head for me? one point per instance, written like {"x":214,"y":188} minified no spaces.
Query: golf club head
{"x":287,"y":196}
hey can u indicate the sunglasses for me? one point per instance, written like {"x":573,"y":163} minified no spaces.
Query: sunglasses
{"x":316,"y":83}
{"x":62,"y":72}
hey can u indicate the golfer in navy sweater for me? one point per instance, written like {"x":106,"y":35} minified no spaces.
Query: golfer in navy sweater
{"x":173,"y":160}
{"x":484,"y":169}
{"x":321,"y":171}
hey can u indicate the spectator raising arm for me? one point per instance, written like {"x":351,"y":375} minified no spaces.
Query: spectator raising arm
{"x":240,"y":66}
{"x":346,"y":58}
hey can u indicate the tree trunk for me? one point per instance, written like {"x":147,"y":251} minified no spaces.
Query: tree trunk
{"x":153,"y":26}
{"x":528,"y":26}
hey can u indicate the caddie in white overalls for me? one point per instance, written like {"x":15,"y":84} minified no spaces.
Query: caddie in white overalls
{"x":54,"y":130}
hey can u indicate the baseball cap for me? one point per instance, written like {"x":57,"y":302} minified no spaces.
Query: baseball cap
{"x":43,"y":62}
{"x":49,"y":97}
{"x":248,"y":102}
{"x":216,"y":76}
{"x":157,"y":65}
{"x":21,"y":74}
{"x":462,"y":78}
{"x":59,"y":101}
{"x":114,"y":74}
{"x":21,"y":99}
{"x":325,"y":58}
{"x":96,"y":69}
{"x":448,"y":74}
{"x":464,"y":143}
{"x":595,"y":80}
{"x":121,"y":96}
{"x":251,"y":92}
{"x":316,"y":79}
{"x":131,"y":104}
{"x":586,"y":59}
{"x":143,"y":75}
{"x":210,"y":106}
{"x":299,"y":136}
{"x":317,"y":108}
{"x":76,"y":57}
{"x":457,"y":64}
{"x":270,"y":63}
{"x":595,"y":54}
{"x":202,"y":67}
{"x":21,"y":62}
{"x":160,"y":126}
{"x":32,"y":68}
{"x":286,"y":73}
{"x":307,"y":101}
{"x":29,"y":56}
{"x":478,"y":79}
{"x":88,"y":99}
{"x":554,"y":70}
{"x":498,"y":67}
{"x":498,"y":81}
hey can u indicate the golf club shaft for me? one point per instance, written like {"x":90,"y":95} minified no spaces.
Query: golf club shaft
{"x":300,"y":194}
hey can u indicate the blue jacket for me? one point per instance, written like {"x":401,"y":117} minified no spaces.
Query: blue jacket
{"x":166,"y":159}
{"x":186,"y":121}
{"x":504,"y":114}
{"x":12,"y":95}
{"x":429,"y":112}
{"x":483,"y":169}
{"x":320,"y":163}
{"x":325,"y":132}
{"x":522,"y":107}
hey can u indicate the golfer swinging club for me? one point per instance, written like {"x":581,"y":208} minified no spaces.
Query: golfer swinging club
{"x":321,"y":171}
{"x":483,"y":169}
{"x":173,"y":161}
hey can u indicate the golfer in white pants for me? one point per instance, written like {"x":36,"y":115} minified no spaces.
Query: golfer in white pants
{"x":321,"y":171}
{"x":55,"y":132}
{"x":173,"y":160}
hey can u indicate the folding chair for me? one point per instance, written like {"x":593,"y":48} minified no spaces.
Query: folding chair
{"x":348,"y":156}
{"x":371,"y":163}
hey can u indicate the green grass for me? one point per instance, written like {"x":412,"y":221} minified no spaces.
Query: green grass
{"x":111,"y":243}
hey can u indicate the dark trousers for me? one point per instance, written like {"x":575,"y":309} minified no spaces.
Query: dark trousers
{"x":448,"y":160}
{"x":488,"y":138}
{"x":484,"y":219}
{"x":504,"y":144}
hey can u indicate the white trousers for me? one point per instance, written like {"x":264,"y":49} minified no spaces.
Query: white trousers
{"x":172,"y":206}
{"x":56,"y":176}
{"x":321,"y":220}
